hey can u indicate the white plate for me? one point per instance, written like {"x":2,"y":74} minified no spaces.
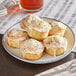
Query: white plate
{"x":46,"y":58}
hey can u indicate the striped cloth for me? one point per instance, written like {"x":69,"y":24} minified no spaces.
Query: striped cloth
{"x":66,"y":69}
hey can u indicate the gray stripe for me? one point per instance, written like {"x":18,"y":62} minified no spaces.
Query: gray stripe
{"x":66,"y":10}
{"x":72,"y":17}
{"x":51,"y":8}
{"x":61,"y":9}
{"x":46,"y":8}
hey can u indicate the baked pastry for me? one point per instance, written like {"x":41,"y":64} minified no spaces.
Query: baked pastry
{"x":55,"y":45}
{"x":25,"y":23}
{"x":15,"y":36}
{"x":31,"y":49}
{"x":36,"y":27}
{"x":22,"y":25}
{"x":58,"y":28}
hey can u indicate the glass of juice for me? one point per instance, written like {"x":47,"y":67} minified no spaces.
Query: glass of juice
{"x":31,"y":5}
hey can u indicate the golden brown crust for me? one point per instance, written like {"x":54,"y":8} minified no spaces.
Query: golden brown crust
{"x":14,"y":41}
{"x":35,"y":27}
{"x":55,"y":45}
{"x":57,"y":32}
{"x":57,"y":28}
{"x":32,"y":57}
{"x":37,"y":35}
{"x":58,"y":52}
{"x":31,"y":49}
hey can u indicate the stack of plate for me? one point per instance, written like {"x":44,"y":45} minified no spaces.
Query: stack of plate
{"x":3,"y":10}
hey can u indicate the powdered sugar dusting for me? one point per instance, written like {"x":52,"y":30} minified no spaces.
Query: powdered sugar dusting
{"x":33,"y":46}
{"x":58,"y":25}
{"x":38,"y":23}
{"x":56,"y":42}
{"x":15,"y":32}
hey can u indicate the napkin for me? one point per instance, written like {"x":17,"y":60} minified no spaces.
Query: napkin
{"x":1,"y":1}
{"x":66,"y":69}
{"x":3,"y":10}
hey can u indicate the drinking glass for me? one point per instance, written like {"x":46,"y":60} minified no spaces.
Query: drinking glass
{"x":31,"y":5}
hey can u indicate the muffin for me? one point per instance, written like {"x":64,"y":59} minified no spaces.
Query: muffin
{"x":55,"y":45}
{"x":36,"y":27}
{"x":58,"y":28}
{"x":15,"y":36}
{"x":31,"y":49}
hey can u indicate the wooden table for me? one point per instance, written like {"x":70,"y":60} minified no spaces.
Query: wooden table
{"x":9,"y":66}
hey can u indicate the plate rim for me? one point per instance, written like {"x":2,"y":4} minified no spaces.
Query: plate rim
{"x":28,"y":61}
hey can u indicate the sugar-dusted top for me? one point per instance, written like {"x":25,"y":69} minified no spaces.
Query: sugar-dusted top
{"x":16,"y":33}
{"x":58,"y":25}
{"x":37,"y":23}
{"x":56,"y":42}
{"x":32,"y":46}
